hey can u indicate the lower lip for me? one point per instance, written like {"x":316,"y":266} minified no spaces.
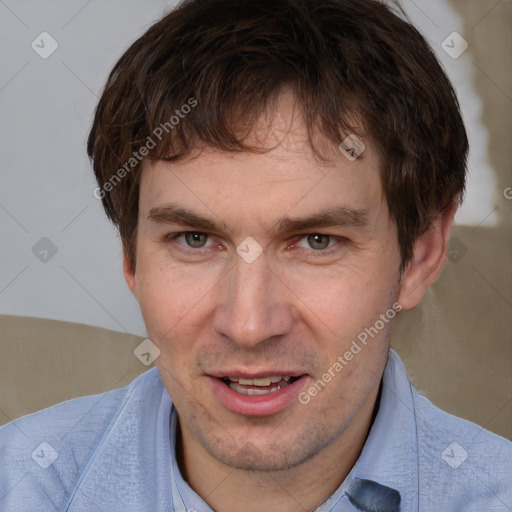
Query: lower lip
{"x":260,"y":405}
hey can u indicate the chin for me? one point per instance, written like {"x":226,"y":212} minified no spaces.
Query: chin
{"x":264,"y":455}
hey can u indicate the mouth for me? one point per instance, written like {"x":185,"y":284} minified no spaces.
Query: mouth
{"x":259,"y":386}
{"x":257,"y":395}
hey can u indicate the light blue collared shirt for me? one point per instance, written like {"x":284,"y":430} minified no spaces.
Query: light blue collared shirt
{"x":115,"y":452}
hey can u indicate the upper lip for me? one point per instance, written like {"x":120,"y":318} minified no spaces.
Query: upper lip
{"x":255,"y":374}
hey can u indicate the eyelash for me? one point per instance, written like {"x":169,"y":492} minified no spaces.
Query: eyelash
{"x":315,"y":252}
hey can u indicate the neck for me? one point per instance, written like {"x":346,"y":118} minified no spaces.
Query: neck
{"x":303,"y":487}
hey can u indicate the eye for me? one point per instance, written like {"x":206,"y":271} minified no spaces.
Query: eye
{"x":192,"y":239}
{"x":317,"y":242}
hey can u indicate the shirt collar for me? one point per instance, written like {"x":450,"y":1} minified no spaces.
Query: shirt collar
{"x":390,"y":454}
{"x":183,"y":497}
{"x":386,"y":472}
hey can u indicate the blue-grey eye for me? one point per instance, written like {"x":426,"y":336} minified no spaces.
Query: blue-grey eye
{"x":196,"y":240}
{"x":319,"y":242}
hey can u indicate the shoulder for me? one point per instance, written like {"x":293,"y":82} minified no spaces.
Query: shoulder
{"x":462,"y":465}
{"x":42,"y":455}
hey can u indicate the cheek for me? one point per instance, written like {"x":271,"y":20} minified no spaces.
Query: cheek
{"x":172,"y":298}
{"x":344,"y":299}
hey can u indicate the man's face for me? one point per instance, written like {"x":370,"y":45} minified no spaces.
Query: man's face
{"x":216,"y":314}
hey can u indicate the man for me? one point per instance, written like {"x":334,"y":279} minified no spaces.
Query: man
{"x":284,"y":176}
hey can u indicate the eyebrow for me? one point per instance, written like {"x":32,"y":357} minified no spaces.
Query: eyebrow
{"x":174,"y":214}
{"x":333,"y":217}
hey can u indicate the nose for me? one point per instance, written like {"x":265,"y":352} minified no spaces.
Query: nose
{"x":253,"y":304}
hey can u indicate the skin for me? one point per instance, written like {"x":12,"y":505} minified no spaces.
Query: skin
{"x":294,"y":307}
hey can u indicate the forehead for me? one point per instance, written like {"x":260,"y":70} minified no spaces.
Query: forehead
{"x":285,"y":176}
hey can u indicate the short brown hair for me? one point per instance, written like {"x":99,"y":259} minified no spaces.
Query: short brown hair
{"x":342,"y":59}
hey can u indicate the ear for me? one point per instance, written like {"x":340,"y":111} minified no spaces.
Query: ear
{"x":129,"y":273}
{"x":428,"y":260}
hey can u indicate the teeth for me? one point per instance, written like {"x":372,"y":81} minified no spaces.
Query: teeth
{"x":262,"y":381}
{"x":253,"y":391}
{"x":266,"y":384}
